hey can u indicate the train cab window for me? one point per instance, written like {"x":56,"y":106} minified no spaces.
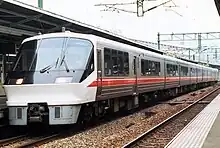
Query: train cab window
{"x":116,"y":63}
{"x":25,"y":55}
{"x":150,"y":68}
{"x":78,"y":55}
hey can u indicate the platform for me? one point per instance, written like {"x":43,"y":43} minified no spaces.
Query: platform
{"x":203,"y":131}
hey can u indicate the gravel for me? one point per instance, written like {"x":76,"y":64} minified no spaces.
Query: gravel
{"x":118,"y":132}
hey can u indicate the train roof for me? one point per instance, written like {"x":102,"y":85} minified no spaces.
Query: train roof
{"x":97,"y":39}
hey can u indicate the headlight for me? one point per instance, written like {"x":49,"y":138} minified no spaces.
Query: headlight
{"x":63,"y":80}
{"x":19,"y":81}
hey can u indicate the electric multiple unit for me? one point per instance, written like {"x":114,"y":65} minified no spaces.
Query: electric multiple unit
{"x":60,"y":77}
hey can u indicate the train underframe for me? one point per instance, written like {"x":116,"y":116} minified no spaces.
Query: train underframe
{"x":94,"y":110}
{"x":3,"y":116}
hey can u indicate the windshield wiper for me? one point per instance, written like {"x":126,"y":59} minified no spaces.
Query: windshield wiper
{"x":43,"y":70}
{"x":65,"y":64}
{"x":46,"y":69}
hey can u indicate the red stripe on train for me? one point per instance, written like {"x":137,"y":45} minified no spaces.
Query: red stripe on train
{"x":124,"y":81}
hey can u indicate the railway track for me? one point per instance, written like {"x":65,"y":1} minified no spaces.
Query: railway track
{"x":11,"y":140}
{"x":153,"y":138}
{"x":33,"y":139}
{"x":27,"y":141}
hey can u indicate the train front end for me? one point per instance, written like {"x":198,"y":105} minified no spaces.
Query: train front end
{"x":49,"y":80}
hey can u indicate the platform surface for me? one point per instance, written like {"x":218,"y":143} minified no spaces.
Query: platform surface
{"x":213,"y":138}
{"x":203,"y":131}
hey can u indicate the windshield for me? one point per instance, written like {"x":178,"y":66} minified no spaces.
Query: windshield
{"x":36,"y":55}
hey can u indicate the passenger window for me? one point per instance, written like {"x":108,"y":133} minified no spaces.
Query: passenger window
{"x":172,"y":70}
{"x":184,"y":71}
{"x":107,"y":62}
{"x":116,"y":62}
{"x":142,"y":67}
{"x":150,"y":68}
{"x":120,"y":63}
{"x":134,"y":66}
{"x":126,"y":63}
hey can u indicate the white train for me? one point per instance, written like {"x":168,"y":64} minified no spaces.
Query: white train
{"x":61,"y":78}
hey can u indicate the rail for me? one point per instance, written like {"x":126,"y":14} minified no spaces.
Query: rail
{"x":132,"y":142}
{"x":11,"y":140}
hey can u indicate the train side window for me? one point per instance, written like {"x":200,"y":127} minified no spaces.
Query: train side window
{"x":116,"y":62}
{"x":120,"y":63}
{"x":184,"y":71}
{"x":157,"y":71}
{"x":192,"y":71}
{"x":134,"y":66}
{"x":107,"y":62}
{"x":172,"y":70}
{"x":169,"y":70}
{"x":126,"y":63}
{"x":142,"y":67}
{"x":147,"y":67}
{"x":176,"y":71}
{"x":150,"y":68}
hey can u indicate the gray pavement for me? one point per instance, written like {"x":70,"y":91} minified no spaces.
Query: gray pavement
{"x":213,"y":138}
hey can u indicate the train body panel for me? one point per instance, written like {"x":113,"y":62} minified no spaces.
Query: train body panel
{"x":85,"y":73}
{"x":61,"y":101}
{"x":63,"y":94}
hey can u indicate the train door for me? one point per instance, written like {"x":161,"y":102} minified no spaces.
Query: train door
{"x":165,"y":72}
{"x":99,"y":72}
{"x":135,"y":66}
{"x":191,"y":75}
{"x":197,"y":71}
{"x":179,"y":73}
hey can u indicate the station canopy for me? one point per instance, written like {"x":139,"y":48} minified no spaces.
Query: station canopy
{"x":19,"y":21}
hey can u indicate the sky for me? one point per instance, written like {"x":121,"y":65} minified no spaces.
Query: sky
{"x":188,"y":16}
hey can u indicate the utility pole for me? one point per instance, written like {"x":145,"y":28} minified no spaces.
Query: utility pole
{"x":207,"y":59}
{"x":158,"y":40}
{"x":139,"y":3}
{"x":189,"y":54}
{"x":140,"y":8}
{"x":40,"y":4}
{"x":198,"y":37}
